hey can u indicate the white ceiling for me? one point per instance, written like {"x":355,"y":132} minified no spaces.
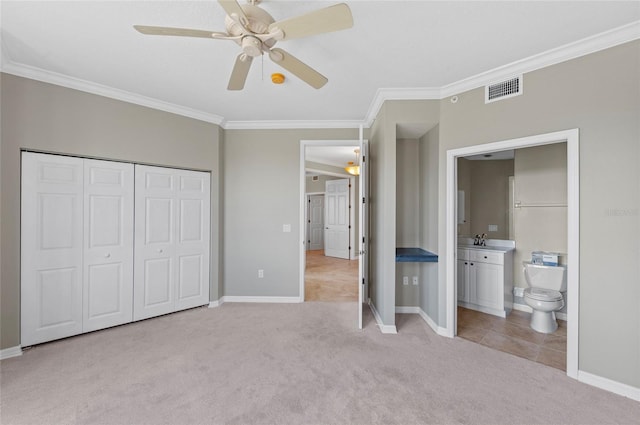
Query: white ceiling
{"x":393,"y":45}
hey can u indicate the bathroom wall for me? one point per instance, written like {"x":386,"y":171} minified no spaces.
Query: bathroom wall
{"x":540,"y":175}
{"x":600,"y":95}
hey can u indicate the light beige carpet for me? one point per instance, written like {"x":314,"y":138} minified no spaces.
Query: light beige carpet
{"x":289,"y":364}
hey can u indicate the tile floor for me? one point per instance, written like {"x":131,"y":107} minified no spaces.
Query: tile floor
{"x":513,"y":335}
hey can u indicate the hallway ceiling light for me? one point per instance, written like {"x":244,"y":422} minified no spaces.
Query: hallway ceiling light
{"x":353,"y":168}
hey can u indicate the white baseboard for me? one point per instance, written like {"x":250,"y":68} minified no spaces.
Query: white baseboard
{"x":527,"y":309}
{"x":417,"y":310}
{"x":609,"y":385}
{"x":216,"y":303}
{"x":385,"y":329}
{"x":243,"y":299}
{"x":7,"y":353}
{"x":407,"y":310}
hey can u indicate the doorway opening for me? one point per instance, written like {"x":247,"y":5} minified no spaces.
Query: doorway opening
{"x":571,"y":138}
{"x":333,"y":219}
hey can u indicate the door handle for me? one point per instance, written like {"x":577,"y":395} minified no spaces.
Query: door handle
{"x":160,"y":250}
{"x":107,"y":255}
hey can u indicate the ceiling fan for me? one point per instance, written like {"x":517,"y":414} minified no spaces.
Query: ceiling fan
{"x":257,"y":32}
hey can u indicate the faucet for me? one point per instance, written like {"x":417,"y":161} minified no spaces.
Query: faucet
{"x":476,"y":240}
{"x":483,"y":242}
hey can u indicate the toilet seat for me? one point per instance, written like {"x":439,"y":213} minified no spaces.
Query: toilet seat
{"x":541,"y":294}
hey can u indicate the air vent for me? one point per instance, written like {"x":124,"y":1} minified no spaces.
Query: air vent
{"x":503,"y":90}
{"x":315,"y":178}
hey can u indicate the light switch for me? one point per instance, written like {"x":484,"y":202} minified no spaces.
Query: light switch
{"x":493,"y":227}
{"x":286,"y":228}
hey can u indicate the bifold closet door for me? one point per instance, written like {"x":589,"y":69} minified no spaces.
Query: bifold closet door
{"x":76,"y":246}
{"x":108,"y":244}
{"x":51,"y":247}
{"x":171,"y":240}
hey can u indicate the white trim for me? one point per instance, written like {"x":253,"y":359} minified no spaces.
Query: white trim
{"x":571,"y":137}
{"x":251,"y":299}
{"x":216,"y":303}
{"x":385,"y":329}
{"x":293,"y":124}
{"x":592,"y":44}
{"x":51,"y":77}
{"x":382,"y":95}
{"x":609,"y":385}
{"x":417,"y":310}
{"x":403,"y":309}
{"x":585,"y":46}
{"x":7,"y":353}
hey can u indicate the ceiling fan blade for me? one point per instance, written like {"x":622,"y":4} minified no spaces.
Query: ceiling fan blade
{"x":332,"y":18}
{"x":240,"y":72}
{"x":232,"y":7}
{"x":183,"y":32}
{"x":298,"y":68}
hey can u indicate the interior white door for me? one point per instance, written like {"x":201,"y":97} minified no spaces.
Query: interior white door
{"x":51,"y":247}
{"x":154,"y":268}
{"x":315,"y":223}
{"x":108,"y":244}
{"x":192,"y":239}
{"x":172,"y":228}
{"x":363,"y":199}
{"x":336,"y":236}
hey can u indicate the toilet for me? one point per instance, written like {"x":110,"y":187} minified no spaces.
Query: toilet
{"x":544,"y":294}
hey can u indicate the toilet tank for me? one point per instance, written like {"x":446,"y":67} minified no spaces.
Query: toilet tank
{"x":547,"y":277}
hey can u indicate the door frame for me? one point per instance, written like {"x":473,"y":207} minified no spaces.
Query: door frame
{"x":571,"y":137}
{"x":303,"y":198}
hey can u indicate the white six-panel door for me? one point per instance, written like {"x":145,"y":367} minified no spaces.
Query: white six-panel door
{"x":51,"y":247}
{"x":171,"y":240}
{"x":336,"y":237}
{"x":108,"y":244}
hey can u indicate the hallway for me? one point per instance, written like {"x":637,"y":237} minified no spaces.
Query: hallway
{"x":330,"y":279}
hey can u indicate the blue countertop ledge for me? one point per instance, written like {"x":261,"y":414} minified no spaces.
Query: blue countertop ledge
{"x":415,"y":255}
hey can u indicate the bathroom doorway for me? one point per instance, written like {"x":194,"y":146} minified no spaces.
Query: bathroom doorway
{"x":453,"y":314}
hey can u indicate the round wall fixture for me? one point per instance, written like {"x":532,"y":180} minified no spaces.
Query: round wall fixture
{"x":277,"y":78}
{"x":454,"y":99}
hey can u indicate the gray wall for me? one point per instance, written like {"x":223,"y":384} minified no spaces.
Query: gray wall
{"x":262,"y":192}
{"x":600,"y":95}
{"x":428,"y":152}
{"x":383,"y":164}
{"x":50,"y":118}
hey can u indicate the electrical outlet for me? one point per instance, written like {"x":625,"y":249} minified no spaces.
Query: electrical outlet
{"x":415,"y":280}
{"x":405,"y":280}
{"x":286,"y":228}
{"x":260,"y":273}
{"x":493,"y":228}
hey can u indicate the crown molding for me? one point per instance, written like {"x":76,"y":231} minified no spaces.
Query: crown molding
{"x":382,"y":95}
{"x":550,"y":57}
{"x":284,"y":125}
{"x":55,"y":78}
{"x":592,"y":44}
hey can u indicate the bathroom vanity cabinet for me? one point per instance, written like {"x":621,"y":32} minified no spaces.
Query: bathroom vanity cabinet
{"x":485,"y":279}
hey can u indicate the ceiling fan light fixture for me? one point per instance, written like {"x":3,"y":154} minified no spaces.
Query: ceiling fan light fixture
{"x":277,"y":78}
